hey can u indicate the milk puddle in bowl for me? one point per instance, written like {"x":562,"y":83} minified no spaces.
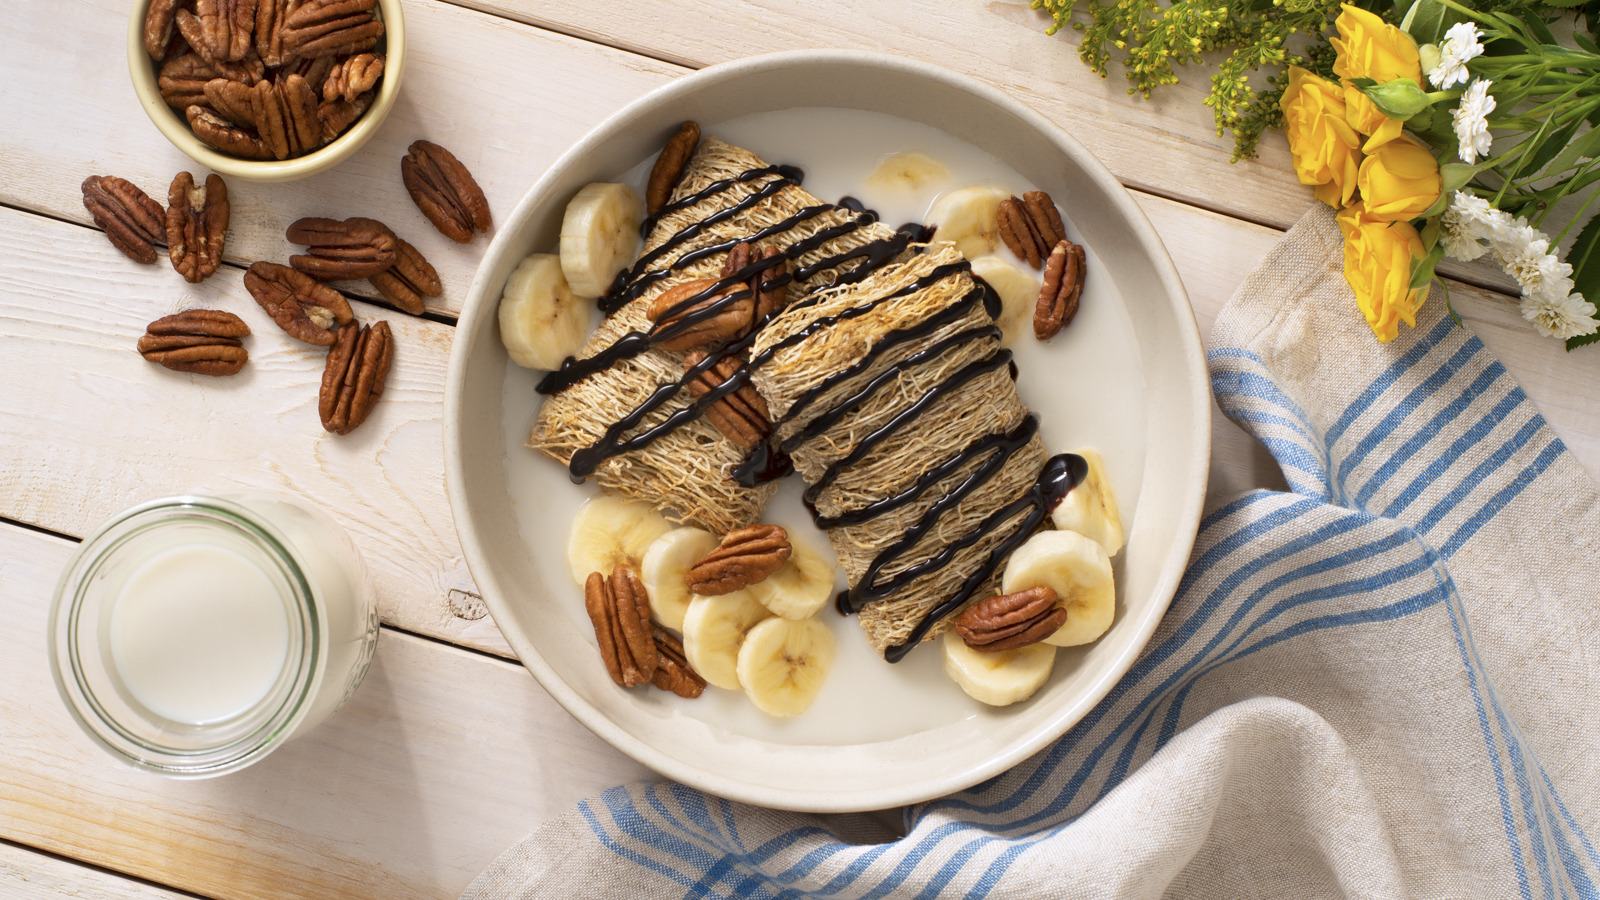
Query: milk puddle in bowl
{"x":1085,"y":385}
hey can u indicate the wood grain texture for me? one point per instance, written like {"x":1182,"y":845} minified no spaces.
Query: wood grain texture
{"x":507,"y":99}
{"x":29,"y":875}
{"x":441,"y":760}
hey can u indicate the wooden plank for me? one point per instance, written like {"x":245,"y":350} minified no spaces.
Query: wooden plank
{"x":29,"y":875}
{"x":507,"y":99}
{"x":442,"y":760}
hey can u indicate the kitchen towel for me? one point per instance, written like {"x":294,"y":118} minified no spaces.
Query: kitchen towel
{"x":1385,"y":683}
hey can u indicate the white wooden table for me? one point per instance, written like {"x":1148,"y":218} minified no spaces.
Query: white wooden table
{"x":450,"y":751}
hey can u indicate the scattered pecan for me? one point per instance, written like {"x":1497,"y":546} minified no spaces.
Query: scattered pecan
{"x":332,"y":28}
{"x":409,"y":280}
{"x":197,"y":226}
{"x":232,"y":100}
{"x":270,"y":16}
{"x":223,"y":135}
{"x":1016,"y":229}
{"x":1063,"y":286}
{"x":336,"y":117}
{"x":354,"y":248}
{"x":741,"y":416}
{"x":352,"y":381}
{"x":302,"y":306}
{"x":1011,"y":621}
{"x":673,"y":672}
{"x":131,"y":220}
{"x":353,"y":76}
{"x":158,"y":22}
{"x":669,"y":167}
{"x":768,"y":300}
{"x":746,"y":556}
{"x":620,"y":612}
{"x":286,"y":116}
{"x":202,"y":341}
{"x":1046,"y":220}
{"x":445,"y":191}
{"x":732,"y":319}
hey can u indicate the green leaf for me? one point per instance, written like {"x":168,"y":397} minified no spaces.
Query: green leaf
{"x":1549,"y":147}
{"x":1584,"y":257}
{"x":1539,"y":29}
{"x":1585,"y":43}
{"x":1422,"y":269}
{"x":1586,"y":146}
{"x":1565,"y":4}
{"x":1581,"y":340}
{"x":1430,"y":232}
{"x":1427,"y":21}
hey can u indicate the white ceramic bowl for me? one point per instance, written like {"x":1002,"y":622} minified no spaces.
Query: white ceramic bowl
{"x":551,"y":642}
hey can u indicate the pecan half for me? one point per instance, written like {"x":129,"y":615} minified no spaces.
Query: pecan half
{"x":336,"y":117}
{"x":445,"y":191}
{"x":232,"y":100}
{"x":620,"y":612}
{"x":314,"y":70}
{"x":668,"y":170}
{"x":353,"y":76}
{"x":332,"y":28}
{"x":158,"y":22}
{"x":768,"y":300}
{"x":1046,"y":220}
{"x":1016,"y":229}
{"x":270,"y":16}
{"x":302,"y":306}
{"x":673,"y":672}
{"x":197,"y":226}
{"x":352,"y":380}
{"x":215,"y":29}
{"x":409,"y":280}
{"x":668,"y":310}
{"x":1011,"y":621}
{"x":131,"y":220}
{"x":183,"y":81}
{"x":741,"y":416}
{"x":286,"y":116}
{"x":354,"y":248}
{"x":223,"y":135}
{"x":746,"y":556}
{"x":202,"y":341}
{"x":1063,"y":286}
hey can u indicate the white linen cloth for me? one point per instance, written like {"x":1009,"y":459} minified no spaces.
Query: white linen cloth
{"x":1382,"y":684}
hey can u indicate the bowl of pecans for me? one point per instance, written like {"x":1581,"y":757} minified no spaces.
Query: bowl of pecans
{"x":267,"y":90}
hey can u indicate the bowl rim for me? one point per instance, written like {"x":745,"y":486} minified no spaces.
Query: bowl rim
{"x":479,"y":304}
{"x":144,"y":73}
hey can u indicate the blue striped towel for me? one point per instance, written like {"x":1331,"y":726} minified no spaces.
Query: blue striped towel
{"x":1382,"y":684}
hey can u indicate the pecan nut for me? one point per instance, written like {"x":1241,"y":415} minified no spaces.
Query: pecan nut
{"x":1063,"y":286}
{"x":336,"y":117}
{"x":673,"y":672}
{"x":352,"y":380}
{"x":1012,"y":620}
{"x":619,"y":609}
{"x":445,"y":191}
{"x":197,"y":226}
{"x":314,"y":70}
{"x":742,"y":415}
{"x":746,"y":556}
{"x":302,"y":306}
{"x":218,"y":132}
{"x":270,"y":16}
{"x":158,"y":26}
{"x":232,"y":100}
{"x":219,"y":30}
{"x":183,"y":81}
{"x":202,"y":341}
{"x":354,"y":248}
{"x":670,"y":165}
{"x":332,"y":28}
{"x":409,"y":280}
{"x":131,"y":220}
{"x":673,"y":307}
{"x":286,"y":116}
{"x":769,"y":298}
{"x":353,"y":76}
{"x":1046,"y":219}
{"x":1017,"y":230}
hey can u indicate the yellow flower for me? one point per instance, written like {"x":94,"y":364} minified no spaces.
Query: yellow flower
{"x":1377,"y":264}
{"x":1399,"y":181}
{"x":1325,"y":147}
{"x":1371,"y":48}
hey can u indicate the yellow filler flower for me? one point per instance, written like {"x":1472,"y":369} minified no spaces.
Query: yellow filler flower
{"x":1371,"y":48}
{"x":1399,"y":181}
{"x":1326,"y":149}
{"x":1377,"y":264}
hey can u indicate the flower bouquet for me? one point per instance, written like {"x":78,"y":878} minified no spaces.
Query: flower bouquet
{"x":1443,"y":131}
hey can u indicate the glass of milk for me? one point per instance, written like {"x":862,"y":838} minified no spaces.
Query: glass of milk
{"x":191,"y":636}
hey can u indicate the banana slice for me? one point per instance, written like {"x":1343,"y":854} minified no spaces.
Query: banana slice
{"x":713,"y":630}
{"x":801,"y":586}
{"x":599,"y":235}
{"x":1078,"y":570}
{"x":910,"y":171}
{"x":783,"y":664}
{"x":969,"y":217}
{"x":1090,"y":509}
{"x":998,"y":679}
{"x":664,"y":569}
{"x":541,"y":321}
{"x":608,"y":530}
{"x":1019,"y":294}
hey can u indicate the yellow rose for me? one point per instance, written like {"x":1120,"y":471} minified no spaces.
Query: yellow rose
{"x":1371,"y":48}
{"x":1399,"y":181}
{"x":1377,"y":264}
{"x":1325,"y":147}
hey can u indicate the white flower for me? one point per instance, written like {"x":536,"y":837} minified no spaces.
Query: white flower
{"x":1460,"y":45}
{"x":1459,"y":242}
{"x":1471,"y":122}
{"x":1566,"y":316}
{"x":1474,"y":213}
{"x":1536,"y":269}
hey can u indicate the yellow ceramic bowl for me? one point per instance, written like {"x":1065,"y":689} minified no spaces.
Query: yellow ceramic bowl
{"x":171,"y":122}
